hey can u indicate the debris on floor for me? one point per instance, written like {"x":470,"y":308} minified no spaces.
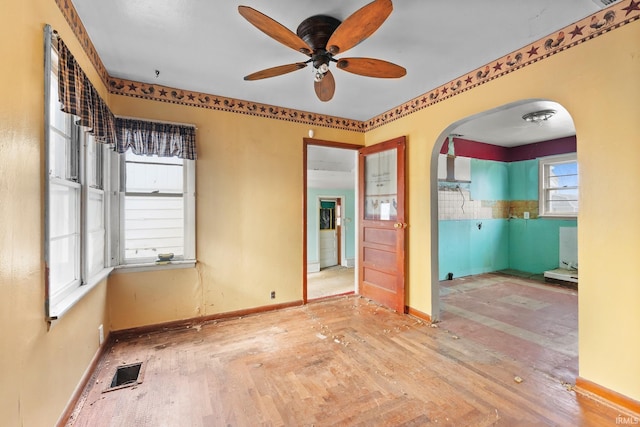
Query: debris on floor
{"x":568,"y":386}
{"x":518,"y":379}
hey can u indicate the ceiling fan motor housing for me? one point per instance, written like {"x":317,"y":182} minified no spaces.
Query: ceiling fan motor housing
{"x":317,"y":30}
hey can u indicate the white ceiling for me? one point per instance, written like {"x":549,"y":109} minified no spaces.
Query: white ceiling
{"x":505,"y":126}
{"x":206,"y":46}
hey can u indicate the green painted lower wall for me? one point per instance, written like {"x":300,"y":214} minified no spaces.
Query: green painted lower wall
{"x":526,"y":245}
{"x":534,"y":243}
{"x":466,"y":249}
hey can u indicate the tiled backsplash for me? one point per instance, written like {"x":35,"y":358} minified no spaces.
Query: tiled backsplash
{"x":455,"y":203}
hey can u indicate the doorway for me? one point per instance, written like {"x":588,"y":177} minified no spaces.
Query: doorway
{"x":329,"y":230}
{"x":330,"y":219}
{"x":495,"y":241}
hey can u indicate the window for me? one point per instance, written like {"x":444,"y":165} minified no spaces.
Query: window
{"x":559,"y":183}
{"x":158,"y":215}
{"x":91,"y":227}
{"x":94,"y":207}
{"x":64,"y":200}
{"x":75,"y":205}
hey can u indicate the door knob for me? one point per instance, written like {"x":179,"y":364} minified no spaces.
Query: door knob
{"x":399,"y":225}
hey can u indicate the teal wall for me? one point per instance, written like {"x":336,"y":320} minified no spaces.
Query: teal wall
{"x":523,"y":180}
{"x":465,"y":250}
{"x":489,"y":180}
{"x":526,"y":245}
{"x":533,"y":243}
{"x":348,"y":227}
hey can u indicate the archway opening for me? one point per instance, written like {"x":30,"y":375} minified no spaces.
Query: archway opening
{"x":506,"y":193}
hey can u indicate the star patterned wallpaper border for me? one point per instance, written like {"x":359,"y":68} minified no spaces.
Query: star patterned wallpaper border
{"x":582,"y":31}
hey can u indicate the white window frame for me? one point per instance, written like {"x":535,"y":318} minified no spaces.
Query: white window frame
{"x":60,"y":301}
{"x":543,"y":168}
{"x":188,"y":197}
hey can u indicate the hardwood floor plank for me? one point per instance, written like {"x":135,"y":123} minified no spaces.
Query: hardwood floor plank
{"x":338,"y":362}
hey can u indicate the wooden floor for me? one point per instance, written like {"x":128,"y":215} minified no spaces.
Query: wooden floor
{"x":336,"y":280}
{"x":524,"y":319}
{"x":339,"y":362}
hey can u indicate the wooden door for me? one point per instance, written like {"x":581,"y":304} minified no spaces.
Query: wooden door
{"x":382,"y":223}
{"x":328,"y":234}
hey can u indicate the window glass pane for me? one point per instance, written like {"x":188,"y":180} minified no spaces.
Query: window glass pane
{"x":562,"y":175}
{"x":153,"y":225}
{"x":381,"y":185}
{"x":64,"y":268}
{"x":58,"y":163}
{"x":95,"y":251}
{"x":561,"y":181}
{"x":149,"y":177}
{"x":96,"y":232}
{"x":64,"y":204}
{"x":559,"y":201}
{"x":95,"y":210}
{"x":90,"y":165}
{"x":58,"y":119}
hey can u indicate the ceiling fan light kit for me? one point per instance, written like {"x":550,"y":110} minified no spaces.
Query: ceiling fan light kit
{"x":321,"y":37}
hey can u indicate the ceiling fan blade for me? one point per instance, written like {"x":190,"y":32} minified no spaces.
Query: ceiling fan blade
{"x":326,"y":87}
{"x":276,"y":71}
{"x":371,"y":67}
{"x":274,"y":29}
{"x":359,"y":25}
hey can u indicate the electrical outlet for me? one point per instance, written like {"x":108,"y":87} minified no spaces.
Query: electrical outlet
{"x":273,"y":294}
{"x":526,"y":215}
{"x":100,"y":334}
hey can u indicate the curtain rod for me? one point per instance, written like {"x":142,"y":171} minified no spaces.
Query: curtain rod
{"x":158,"y":121}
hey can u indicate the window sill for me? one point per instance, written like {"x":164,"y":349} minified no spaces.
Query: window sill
{"x":56,"y":311}
{"x":152,"y":266}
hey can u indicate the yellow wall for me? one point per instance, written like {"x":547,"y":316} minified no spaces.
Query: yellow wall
{"x":249,"y":212}
{"x":598,"y":84}
{"x":249,"y":190}
{"x":39,"y":368}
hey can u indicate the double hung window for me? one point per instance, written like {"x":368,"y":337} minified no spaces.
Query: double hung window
{"x":559,"y":184}
{"x":158,"y":212}
{"x":64,"y":200}
{"x":75,"y":205}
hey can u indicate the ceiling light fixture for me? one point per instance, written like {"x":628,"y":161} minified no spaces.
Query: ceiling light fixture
{"x":539,"y":116}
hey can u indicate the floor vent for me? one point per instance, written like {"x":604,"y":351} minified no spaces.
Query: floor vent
{"x":126,"y":376}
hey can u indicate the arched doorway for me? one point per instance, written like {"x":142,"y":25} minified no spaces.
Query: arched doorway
{"x":500,"y":225}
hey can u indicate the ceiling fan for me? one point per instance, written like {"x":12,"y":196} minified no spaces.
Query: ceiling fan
{"x":321,"y":37}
